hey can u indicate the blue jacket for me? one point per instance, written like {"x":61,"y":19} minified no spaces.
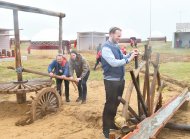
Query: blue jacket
{"x":110,"y":70}
{"x":56,"y":68}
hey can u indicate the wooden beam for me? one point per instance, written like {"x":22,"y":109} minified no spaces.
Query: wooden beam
{"x":147,"y":55}
{"x":45,"y":74}
{"x":18,"y":7}
{"x":60,"y":51}
{"x":18,"y":63}
{"x":153,"y":85}
{"x":139,"y":104}
{"x":159,"y":94}
{"x":139,"y":93}
{"x":129,"y":91}
{"x":21,"y":98}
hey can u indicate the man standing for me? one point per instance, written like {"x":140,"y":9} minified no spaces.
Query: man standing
{"x":78,"y":64}
{"x":60,"y":67}
{"x":113,"y":62}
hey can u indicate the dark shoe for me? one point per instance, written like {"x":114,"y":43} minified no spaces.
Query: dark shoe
{"x":106,"y":134}
{"x":83,"y":102}
{"x":67,"y":100}
{"x":78,"y":99}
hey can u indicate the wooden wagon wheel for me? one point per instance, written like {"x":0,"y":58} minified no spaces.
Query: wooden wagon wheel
{"x":46,"y":102}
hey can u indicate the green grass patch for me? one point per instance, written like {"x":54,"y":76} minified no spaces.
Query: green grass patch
{"x":176,"y":70}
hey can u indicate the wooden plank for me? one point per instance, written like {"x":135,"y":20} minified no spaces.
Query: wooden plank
{"x":18,"y":7}
{"x":151,"y":126}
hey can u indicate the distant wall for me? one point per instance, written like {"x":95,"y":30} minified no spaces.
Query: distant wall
{"x":163,"y":39}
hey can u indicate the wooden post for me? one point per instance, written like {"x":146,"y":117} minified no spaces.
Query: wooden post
{"x":159,"y":85}
{"x":147,"y":77}
{"x":139,"y":104}
{"x":153,"y":85}
{"x":60,"y":51}
{"x":21,"y":98}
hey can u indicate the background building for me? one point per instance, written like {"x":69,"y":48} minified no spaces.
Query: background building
{"x":4,"y":39}
{"x":90,"y":40}
{"x":181,"y":38}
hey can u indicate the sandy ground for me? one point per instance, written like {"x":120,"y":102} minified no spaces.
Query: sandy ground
{"x":74,"y":120}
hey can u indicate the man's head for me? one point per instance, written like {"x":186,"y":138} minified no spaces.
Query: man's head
{"x":73,"y":55}
{"x":115,"y":34}
{"x":59,"y":58}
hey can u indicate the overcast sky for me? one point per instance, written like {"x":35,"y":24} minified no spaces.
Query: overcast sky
{"x":132,"y":16}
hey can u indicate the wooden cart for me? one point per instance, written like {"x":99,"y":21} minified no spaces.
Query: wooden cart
{"x":47,"y":99}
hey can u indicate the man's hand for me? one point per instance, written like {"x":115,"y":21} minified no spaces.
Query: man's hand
{"x":63,"y":76}
{"x":78,"y":79}
{"x":51,"y":74}
{"x":133,"y":55}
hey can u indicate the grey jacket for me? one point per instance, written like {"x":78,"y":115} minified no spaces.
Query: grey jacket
{"x":79,"y":65}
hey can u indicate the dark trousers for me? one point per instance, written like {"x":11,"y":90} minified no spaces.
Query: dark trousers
{"x":59,"y":83}
{"x":82,"y":87}
{"x":113,"y":90}
{"x":97,"y":62}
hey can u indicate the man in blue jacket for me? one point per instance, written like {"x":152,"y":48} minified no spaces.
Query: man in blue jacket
{"x":113,"y":64}
{"x":60,"y":67}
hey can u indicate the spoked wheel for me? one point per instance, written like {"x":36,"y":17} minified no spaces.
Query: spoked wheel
{"x":46,"y":102}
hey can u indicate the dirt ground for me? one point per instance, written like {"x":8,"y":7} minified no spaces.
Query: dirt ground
{"x":74,"y":120}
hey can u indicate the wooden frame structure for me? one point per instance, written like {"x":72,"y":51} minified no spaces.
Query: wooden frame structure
{"x":21,"y":97}
{"x":150,"y":117}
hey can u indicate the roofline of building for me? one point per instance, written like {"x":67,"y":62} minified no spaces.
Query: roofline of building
{"x":5,"y":29}
{"x":93,"y":32}
{"x":181,"y":32}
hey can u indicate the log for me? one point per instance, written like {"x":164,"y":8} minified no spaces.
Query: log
{"x":45,"y":74}
{"x":139,"y":93}
{"x":174,"y":126}
{"x":24,"y":8}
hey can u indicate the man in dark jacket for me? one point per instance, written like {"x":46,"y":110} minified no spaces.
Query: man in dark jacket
{"x":113,"y":64}
{"x":78,"y":64}
{"x":60,"y":67}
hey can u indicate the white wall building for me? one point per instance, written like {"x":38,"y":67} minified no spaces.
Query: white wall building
{"x":181,"y":38}
{"x":90,"y":40}
{"x":4,"y":39}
